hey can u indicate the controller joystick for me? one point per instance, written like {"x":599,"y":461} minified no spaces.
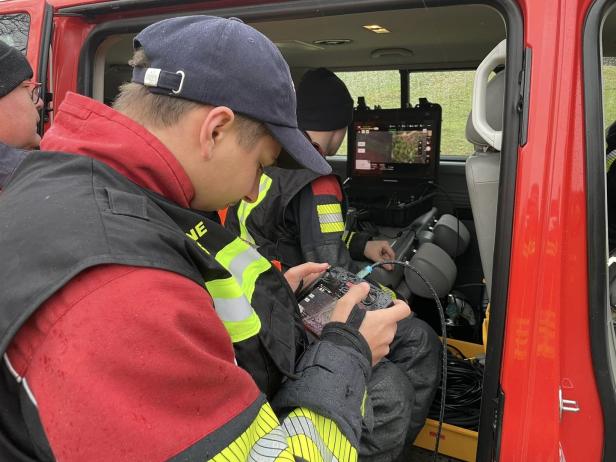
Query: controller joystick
{"x":318,"y":300}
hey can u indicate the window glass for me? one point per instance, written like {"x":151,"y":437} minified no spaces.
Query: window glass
{"x":379,"y":88}
{"x":453,"y":90}
{"x":609,"y":90}
{"x":14,"y":29}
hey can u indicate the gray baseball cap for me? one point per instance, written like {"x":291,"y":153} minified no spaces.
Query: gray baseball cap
{"x":224,"y":62}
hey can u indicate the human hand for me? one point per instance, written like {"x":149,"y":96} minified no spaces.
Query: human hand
{"x":378,"y":251}
{"x":305,"y":274}
{"x":378,"y":327}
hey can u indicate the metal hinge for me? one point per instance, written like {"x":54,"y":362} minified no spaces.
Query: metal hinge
{"x":566,"y":405}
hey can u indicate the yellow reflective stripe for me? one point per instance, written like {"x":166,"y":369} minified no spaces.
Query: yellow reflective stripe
{"x":609,"y":160}
{"x":242,"y":330}
{"x":304,"y":446}
{"x":244,"y":263}
{"x":349,"y":238}
{"x":234,"y":309}
{"x":329,"y":208}
{"x":244,"y":209}
{"x":251,"y":274}
{"x":317,"y":435}
{"x":363,"y":404}
{"x":330,"y":218}
{"x":263,"y":436}
{"x":229,"y":252}
{"x":337,"y":227}
{"x":224,"y":288}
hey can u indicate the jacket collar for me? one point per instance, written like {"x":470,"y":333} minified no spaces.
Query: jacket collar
{"x":90,"y":128}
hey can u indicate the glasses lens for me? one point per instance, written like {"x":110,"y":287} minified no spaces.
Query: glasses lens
{"x":36,"y":94}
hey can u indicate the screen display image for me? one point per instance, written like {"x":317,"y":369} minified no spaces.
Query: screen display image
{"x":393,"y":149}
{"x":378,"y":148}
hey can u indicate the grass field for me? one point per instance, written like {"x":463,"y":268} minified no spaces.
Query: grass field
{"x":609,"y":93}
{"x":453,"y":91}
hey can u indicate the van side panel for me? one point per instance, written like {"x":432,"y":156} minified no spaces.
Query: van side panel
{"x":547,"y":344}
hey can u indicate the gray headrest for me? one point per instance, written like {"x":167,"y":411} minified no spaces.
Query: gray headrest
{"x":495,"y":98}
{"x":436,"y":266}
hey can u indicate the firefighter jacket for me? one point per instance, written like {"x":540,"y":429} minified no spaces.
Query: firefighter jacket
{"x":298,"y":217}
{"x":9,"y":160}
{"x":120,"y":305}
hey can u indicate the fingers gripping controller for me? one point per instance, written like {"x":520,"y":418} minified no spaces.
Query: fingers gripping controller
{"x":318,"y":300}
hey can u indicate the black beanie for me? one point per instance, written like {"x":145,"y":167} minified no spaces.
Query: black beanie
{"x":323,"y":102}
{"x":14,"y":68}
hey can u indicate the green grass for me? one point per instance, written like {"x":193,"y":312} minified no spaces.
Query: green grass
{"x":451,"y":89}
{"x":609,"y":94}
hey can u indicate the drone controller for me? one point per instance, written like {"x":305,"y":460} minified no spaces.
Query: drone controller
{"x":318,"y":300}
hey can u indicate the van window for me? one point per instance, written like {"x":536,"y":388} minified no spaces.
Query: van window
{"x":609,"y":90}
{"x":453,"y":90}
{"x":379,"y":88}
{"x":14,"y":29}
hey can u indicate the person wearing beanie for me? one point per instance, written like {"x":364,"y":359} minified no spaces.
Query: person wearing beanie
{"x":299,"y":217}
{"x":19,"y":100}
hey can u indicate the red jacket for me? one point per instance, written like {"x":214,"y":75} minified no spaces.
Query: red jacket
{"x":114,"y":338}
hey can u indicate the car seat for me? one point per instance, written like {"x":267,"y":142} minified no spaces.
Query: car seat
{"x":484,"y":131}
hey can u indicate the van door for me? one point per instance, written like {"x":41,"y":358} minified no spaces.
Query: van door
{"x":26,"y":25}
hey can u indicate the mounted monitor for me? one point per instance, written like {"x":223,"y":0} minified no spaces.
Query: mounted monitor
{"x":394,"y":149}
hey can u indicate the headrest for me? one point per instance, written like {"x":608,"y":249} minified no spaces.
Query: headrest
{"x":495,"y":98}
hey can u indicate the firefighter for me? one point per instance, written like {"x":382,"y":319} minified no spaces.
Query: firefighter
{"x":19,"y":110}
{"x":123,"y":298}
{"x":298,"y":217}
{"x":20,"y":100}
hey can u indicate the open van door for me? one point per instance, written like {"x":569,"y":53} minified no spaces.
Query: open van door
{"x":26,"y":25}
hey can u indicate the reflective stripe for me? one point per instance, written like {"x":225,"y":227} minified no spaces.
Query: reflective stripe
{"x":242,"y":330}
{"x":244,"y":209}
{"x":609,"y":160}
{"x":329,"y":208}
{"x":330,"y":218}
{"x":234,"y":309}
{"x":244,"y":263}
{"x":262,"y":440}
{"x":332,"y":227}
{"x":349,"y":237}
{"x":233,"y":295}
{"x":318,"y":436}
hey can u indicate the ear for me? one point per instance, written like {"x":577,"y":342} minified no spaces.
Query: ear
{"x":215,"y":126}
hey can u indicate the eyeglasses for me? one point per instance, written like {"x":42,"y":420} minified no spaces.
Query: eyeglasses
{"x":35,"y":92}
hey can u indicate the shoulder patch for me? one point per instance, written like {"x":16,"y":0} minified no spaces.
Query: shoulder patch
{"x":327,"y":186}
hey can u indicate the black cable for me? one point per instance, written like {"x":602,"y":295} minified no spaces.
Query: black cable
{"x":453,"y":209}
{"x":463,"y":394}
{"x":441,"y":312}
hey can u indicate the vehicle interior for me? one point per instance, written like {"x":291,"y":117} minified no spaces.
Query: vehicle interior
{"x":422,"y":160}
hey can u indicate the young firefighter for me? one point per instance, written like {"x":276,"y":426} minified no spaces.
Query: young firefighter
{"x":298,"y":218}
{"x":122,"y":301}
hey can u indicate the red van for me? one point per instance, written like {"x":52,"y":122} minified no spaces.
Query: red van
{"x":524,"y":174}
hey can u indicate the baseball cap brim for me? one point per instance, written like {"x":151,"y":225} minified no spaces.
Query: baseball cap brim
{"x":297,"y":150}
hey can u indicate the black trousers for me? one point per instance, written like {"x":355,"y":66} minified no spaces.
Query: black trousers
{"x":400,"y":392}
